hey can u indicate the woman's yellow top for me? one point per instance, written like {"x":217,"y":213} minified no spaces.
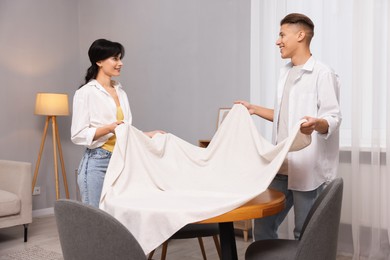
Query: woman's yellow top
{"x":109,"y":145}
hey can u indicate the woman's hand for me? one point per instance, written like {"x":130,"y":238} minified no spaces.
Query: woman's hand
{"x":114,"y":125}
{"x":152,"y":133}
{"x":106,"y":129}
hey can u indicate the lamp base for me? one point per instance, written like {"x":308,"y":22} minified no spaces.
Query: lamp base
{"x":56,"y":145}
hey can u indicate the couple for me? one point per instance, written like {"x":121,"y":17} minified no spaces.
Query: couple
{"x":307,"y":89}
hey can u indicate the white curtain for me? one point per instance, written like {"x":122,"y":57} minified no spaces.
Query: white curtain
{"x":353,"y":37}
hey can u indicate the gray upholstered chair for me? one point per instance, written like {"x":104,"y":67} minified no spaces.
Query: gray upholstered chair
{"x":15,"y":194}
{"x":89,"y":233}
{"x":319,"y":234}
{"x":194,"y":231}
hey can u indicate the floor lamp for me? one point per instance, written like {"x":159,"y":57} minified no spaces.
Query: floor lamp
{"x":52,"y":105}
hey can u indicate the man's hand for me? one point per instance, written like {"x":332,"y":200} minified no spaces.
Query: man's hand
{"x":314,"y":124}
{"x":263,"y":112}
{"x":246,"y":104}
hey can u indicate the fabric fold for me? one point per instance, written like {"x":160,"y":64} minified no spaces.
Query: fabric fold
{"x":155,"y":186}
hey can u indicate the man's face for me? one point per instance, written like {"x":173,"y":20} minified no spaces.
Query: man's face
{"x":288,"y":40}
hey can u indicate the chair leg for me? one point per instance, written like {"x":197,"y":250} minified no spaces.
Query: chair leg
{"x":25,"y":232}
{"x":164,"y":250}
{"x":201,"y":245}
{"x":217,"y":245}
{"x":202,"y":248}
{"x":245,"y":235}
{"x":151,"y":255}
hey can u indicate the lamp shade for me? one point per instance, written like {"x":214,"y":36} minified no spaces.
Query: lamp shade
{"x":51,"y":104}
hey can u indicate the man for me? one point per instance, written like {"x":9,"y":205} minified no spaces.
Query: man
{"x":307,"y":89}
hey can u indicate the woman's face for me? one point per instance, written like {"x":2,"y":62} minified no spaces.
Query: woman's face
{"x":110,"y":66}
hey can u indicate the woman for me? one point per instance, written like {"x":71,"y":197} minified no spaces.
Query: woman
{"x":99,"y":107}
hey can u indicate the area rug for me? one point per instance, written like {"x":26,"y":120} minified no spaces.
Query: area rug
{"x":31,"y":253}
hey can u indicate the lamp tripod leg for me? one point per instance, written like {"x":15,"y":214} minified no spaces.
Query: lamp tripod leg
{"x":62,"y":163}
{"x":40,"y":153}
{"x":53,"y":124}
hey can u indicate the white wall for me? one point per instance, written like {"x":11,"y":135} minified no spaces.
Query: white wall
{"x":184,"y":60}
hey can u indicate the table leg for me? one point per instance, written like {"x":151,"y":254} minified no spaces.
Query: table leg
{"x":228,"y":241}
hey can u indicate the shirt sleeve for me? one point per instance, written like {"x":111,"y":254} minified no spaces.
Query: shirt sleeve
{"x":329,"y":101}
{"x":81,"y":132}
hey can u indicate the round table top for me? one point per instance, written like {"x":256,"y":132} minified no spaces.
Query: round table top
{"x":266,"y":204}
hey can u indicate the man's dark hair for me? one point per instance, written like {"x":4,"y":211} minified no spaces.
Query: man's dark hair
{"x":300,"y":19}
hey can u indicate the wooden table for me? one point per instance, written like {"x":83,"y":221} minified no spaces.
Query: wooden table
{"x":266,"y":204}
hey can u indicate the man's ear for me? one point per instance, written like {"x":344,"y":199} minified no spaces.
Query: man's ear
{"x":301,"y":35}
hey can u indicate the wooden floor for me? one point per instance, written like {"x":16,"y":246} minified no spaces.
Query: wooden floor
{"x":43,"y":233}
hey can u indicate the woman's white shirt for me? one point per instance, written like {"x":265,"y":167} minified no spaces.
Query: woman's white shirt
{"x":93,"y":107}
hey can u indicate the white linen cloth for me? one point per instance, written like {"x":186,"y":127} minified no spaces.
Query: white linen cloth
{"x":155,"y":186}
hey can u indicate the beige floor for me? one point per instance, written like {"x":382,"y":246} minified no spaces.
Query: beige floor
{"x":43,"y":233}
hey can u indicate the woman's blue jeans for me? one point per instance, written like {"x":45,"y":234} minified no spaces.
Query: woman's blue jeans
{"x":266,"y":228}
{"x":91,"y":173}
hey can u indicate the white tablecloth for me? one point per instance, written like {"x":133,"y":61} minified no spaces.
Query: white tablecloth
{"x":155,"y":186}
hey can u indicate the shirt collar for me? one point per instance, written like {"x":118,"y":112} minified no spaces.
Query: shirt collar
{"x":96,"y":84}
{"x":308,"y":66}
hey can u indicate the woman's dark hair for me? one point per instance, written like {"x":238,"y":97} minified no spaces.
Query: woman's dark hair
{"x":102,"y":49}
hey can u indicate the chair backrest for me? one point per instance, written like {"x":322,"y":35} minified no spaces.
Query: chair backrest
{"x":320,"y":231}
{"x":89,"y":233}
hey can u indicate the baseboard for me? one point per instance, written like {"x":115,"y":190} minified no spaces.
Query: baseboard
{"x":43,"y":212}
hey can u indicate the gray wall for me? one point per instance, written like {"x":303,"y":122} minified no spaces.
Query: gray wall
{"x":39,"y":52}
{"x":184,"y":60}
